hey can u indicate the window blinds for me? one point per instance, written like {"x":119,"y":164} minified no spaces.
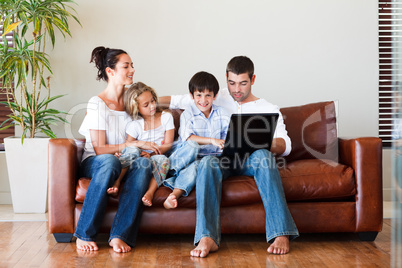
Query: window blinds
{"x":390,"y":37}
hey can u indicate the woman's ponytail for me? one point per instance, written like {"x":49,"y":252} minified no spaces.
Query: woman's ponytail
{"x":105,"y":57}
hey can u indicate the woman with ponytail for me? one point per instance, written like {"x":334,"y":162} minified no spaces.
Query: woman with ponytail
{"x":104,"y":129}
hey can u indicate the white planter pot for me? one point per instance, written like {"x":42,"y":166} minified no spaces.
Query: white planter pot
{"x":27,"y":166}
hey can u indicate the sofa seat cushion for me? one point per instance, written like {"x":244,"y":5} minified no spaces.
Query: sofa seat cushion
{"x":302,"y":180}
{"x":238,"y":190}
{"x":315,"y":179}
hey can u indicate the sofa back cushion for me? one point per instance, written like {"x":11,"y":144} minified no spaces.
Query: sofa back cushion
{"x":312,"y":130}
{"x":176,"y":119}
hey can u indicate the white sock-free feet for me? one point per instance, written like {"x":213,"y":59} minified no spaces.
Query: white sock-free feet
{"x":86,"y":245}
{"x":204,"y":247}
{"x":119,"y":245}
{"x":280,"y":245}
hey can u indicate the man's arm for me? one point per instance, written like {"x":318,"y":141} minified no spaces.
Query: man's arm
{"x":176,"y":101}
{"x":164,"y":102}
{"x":278,"y":146}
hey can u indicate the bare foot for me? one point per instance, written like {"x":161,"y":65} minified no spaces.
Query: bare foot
{"x":205,"y":246}
{"x":147,"y":199}
{"x":113,"y":191}
{"x":86,"y":245}
{"x":280,"y":245}
{"x":170,"y":202}
{"x":119,"y":245}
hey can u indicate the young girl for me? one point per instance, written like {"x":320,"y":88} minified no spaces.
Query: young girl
{"x":153,"y":129}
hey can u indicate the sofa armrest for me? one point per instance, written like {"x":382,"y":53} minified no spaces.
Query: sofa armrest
{"x":63,"y":167}
{"x":364,"y":155}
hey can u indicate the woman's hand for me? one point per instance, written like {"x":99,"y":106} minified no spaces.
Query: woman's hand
{"x":143,"y":145}
{"x":148,"y":145}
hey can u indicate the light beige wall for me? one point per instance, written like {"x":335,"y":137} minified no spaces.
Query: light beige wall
{"x":304,"y":51}
{"x":5,"y":195}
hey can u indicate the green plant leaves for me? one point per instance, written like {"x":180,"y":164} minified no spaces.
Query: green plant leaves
{"x":27,"y":64}
{"x":43,"y":118}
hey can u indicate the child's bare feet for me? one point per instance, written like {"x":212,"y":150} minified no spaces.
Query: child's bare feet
{"x":205,"y":246}
{"x":119,"y":245}
{"x":170,"y":202}
{"x":147,"y":199}
{"x":280,"y":245}
{"x":149,"y":194}
{"x":113,"y":191}
{"x":86,"y":245}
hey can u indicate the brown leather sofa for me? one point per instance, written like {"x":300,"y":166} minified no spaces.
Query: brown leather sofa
{"x":331,"y":184}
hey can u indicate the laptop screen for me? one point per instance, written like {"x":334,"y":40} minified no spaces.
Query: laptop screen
{"x":248,"y":133}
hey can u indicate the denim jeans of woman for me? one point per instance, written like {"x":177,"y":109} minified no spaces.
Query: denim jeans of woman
{"x":261,"y":164}
{"x":103,"y":171}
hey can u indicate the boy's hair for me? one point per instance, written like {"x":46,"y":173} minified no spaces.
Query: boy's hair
{"x":131,"y":98}
{"x":203,"y":81}
{"x":240,"y":65}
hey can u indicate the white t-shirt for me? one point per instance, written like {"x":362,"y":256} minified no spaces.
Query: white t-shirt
{"x":136,"y":129}
{"x":100,"y":117}
{"x":225,"y":100}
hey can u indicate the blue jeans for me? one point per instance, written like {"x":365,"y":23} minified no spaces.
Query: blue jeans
{"x":261,"y":164}
{"x":185,"y":179}
{"x":129,"y":154}
{"x":182,"y":155}
{"x":104,"y":170}
{"x":184,"y":165}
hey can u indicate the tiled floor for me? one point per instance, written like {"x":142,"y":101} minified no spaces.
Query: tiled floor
{"x":7,"y":214}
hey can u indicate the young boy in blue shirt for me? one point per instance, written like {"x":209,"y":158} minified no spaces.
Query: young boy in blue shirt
{"x":201,"y":122}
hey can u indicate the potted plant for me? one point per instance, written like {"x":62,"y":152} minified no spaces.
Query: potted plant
{"x":25,"y":73}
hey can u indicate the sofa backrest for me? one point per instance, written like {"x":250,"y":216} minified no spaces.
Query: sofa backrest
{"x":312,"y":130}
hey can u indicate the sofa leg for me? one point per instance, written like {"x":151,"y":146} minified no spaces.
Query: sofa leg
{"x":63,"y":237}
{"x":367,"y":236}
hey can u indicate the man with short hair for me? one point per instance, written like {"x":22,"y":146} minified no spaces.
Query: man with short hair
{"x":238,"y":98}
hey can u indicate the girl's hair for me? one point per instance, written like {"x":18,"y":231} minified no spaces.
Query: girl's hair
{"x":103,"y":58}
{"x":131,"y":98}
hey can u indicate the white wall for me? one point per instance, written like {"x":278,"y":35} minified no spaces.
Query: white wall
{"x":303,"y":50}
